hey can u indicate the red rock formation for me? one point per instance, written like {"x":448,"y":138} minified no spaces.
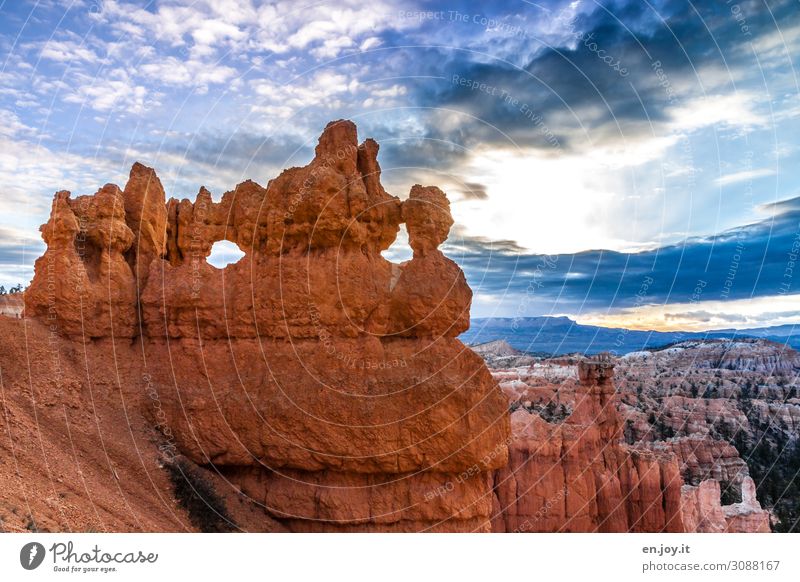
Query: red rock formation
{"x":76,"y":452}
{"x":322,"y":381}
{"x":746,"y":516}
{"x":715,"y":387}
{"x":566,"y":416}
{"x":727,"y":408}
{"x":83,"y":285}
{"x":319,"y":378}
{"x":702,"y":512}
{"x":700,"y":507}
{"x":702,"y":457}
{"x":146,"y":214}
{"x":578,"y":476}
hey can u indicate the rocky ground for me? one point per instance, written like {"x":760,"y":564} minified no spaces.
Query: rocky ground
{"x":78,"y":453}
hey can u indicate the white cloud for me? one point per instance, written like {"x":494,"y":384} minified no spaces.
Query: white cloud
{"x":10,"y":124}
{"x":68,"y":51}
{"x":191,"y":73}
{"x":744,"y":176}
{"x":371,"y":42}
{"x":331,"y":47}
{"x":550,"y":205}
{"x":318,"y":89}
{"x":611,"y":194}
{"x":211,"y":25}
{"x":30,"y":173}
{"x":776,"y":47}
{"x":12,"y":80}
{"x":115,"y":91}
{"x":327,"y":29}
{"x":734,"y":110}
{"x":213,"y":32}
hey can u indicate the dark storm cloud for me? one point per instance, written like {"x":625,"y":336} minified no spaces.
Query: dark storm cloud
{"x":420,"y":152}
{"x":606,"y":87}
{"x":762,"y":259}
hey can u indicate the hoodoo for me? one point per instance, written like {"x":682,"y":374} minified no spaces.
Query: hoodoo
{"x":316,"y":377}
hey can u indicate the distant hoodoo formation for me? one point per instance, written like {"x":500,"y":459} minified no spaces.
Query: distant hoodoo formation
{"x":571,"y":471}
{"x":318,"y":378}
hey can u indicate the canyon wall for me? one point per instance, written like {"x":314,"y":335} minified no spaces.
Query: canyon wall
{"x":702,"y":512}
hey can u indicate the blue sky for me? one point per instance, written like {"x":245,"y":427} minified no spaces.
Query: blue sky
{"x":587,"y":147}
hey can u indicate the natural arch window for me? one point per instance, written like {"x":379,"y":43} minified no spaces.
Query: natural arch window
{"x":399,"y":251}
{"x":224,"y":253}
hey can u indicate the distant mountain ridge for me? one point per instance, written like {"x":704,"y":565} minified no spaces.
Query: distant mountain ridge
{"x":562,"y":335}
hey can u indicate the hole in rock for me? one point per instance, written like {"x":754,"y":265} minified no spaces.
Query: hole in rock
{"x":224,"y":253}
{"x":399,"y":251}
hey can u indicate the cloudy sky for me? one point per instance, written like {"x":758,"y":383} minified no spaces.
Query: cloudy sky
{"x":621,"y":162}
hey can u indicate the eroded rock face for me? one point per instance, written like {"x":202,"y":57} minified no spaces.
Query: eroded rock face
{"x":575,"y":474}
{"x":83,"y":285}
{"x":569,"y":469}
{"x":320,"y":379}
{"x":702,"y":512}
{"x":727,"y":408}
{"x":146,"y":214}
{"x":701,"y":509}
{"x":746,"y":516}
{"x":702,"y":457}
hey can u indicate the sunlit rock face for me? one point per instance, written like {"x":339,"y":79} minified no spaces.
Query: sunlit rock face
{"x":321,"y":380}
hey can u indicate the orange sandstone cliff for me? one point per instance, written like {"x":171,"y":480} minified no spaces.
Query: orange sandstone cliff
{"x":313,"y":377}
